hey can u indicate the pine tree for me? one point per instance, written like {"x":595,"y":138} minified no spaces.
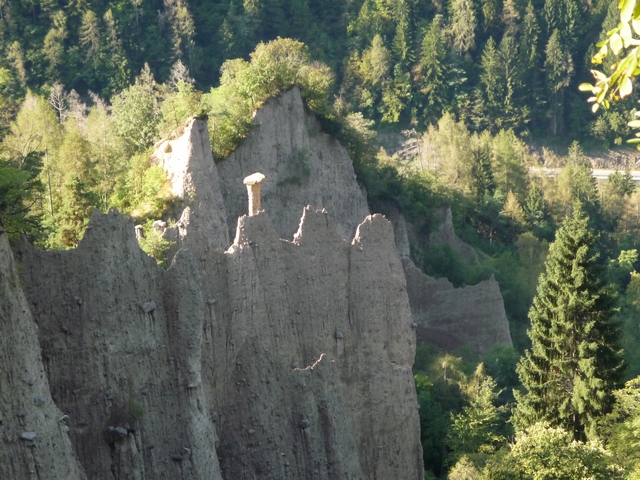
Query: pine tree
{"x":491,"y":81}
{"x":463,"y":25}
{"x":529,"y":67}
{"x":491,"y":15}
{"x":431,"y":72}
{"x":475,"y":429}
{"x":574,"y":364}
{"x":558,"y":71}
{"x":514,"y":113}
{"x":536,"y":213}
{"x":510,"y":18}
{"x":481,"y":174}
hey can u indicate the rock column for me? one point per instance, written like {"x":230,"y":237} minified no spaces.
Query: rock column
{"x":253,"y":189}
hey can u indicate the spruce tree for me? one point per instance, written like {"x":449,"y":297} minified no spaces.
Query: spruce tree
{"x":558,"y":72}
{"x":574,"y":363}
{"x":432,"y":72}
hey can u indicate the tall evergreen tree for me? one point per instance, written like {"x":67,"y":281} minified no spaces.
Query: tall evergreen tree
{"x":558,"y":72}
{"x":574,"y":363}
{"x":491,"y":81}
{"x":536,"y":213}
{"x":529,"y":67}
{"x":431,"y":72}
{"x":463,"y":25}
{"x":482,"y":183}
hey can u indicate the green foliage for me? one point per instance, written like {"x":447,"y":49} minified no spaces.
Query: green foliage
{"x":574,"y":364}
{"x":475,"y":430}
{"x":19,"y":189}
{"x":154,"y":244}
{"x":178,"y":105}
{"x":621,"y":428}
{"x":542,"y":452}
{"x":500,"y":364}
{"x":464,"y":469}
{"x":70,"y":221}
{"x":442,"y":261}
{"x":433,"y":424}
{"x":245,"y":86}
{"x":136,"y":112}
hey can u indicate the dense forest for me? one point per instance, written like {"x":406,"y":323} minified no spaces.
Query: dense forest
{"x":494,"y":64}
{"x":88,"y":86}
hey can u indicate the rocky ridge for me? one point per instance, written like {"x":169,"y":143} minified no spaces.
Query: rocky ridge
{"x":274,"y":359}
{"x":271,"y":359}
{"x":302,"y":164}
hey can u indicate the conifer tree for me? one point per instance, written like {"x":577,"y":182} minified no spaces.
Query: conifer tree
{"x":529,"y":61}
{"x":431,"y":72}
{"x":537,"y":213}
{"x":463,"y":25}
{"x":558,"y":71}
{"x":482,"y":181}
{"x":491,"y":81}
{"x":574,"y":364}
{"x":490,"y":12}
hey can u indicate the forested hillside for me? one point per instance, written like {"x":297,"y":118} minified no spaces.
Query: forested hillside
{"x":87,"y":88}
{"x":494,"y":64}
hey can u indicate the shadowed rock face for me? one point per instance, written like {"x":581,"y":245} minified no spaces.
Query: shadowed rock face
{"x":282,"y":360}
{"x":35,"y":444}
{"x":121,"y":342}
{"x":452,"y":317}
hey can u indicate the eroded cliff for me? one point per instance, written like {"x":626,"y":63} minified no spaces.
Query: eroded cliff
{"x":35,"y":444}
{"x":285,"y":360}
{"x":303,"y":166}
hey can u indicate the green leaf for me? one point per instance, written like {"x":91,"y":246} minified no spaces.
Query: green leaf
{"x":625,"y":34}
{"x":625,"y":87}
{"x":626,"y":10}
{"x":616,"y":43}
{"x":634,"y":124}
{"x":585,"y":87}
{"x":600,"y":77}
{"x":635,"y":23}
{"x":633,"y":140}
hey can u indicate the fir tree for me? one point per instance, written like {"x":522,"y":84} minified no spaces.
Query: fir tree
{"x":536,"y":213}
{"x":574,"y":364}
{"x":432,"y":71}
{"x":491,"y":81}
{"x":558,"y":72}
{"x":463,"y":25}
{"x":482,"y":181}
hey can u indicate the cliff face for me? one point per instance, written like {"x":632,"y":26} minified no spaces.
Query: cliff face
{"x":288,"y":360}
{"x":187,"y":160}
{"x":452,"y":317}
{"x":274,"y":359}
{"x":303,"y":166}
{"x":35,"y":444}
{"x":121,"y":341}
